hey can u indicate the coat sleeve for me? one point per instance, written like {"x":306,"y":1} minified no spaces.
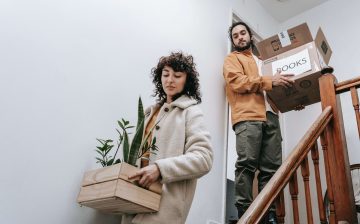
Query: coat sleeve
{"x":198,"y":156}
{"x":239,"y":82}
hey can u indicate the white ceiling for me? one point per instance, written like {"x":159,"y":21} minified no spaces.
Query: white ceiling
{"x":283,"y":10}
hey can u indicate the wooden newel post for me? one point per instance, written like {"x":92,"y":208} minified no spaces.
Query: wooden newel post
{"x":339,"y":167}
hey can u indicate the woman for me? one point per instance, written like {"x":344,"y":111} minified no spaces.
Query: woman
{"x":184,"y":151}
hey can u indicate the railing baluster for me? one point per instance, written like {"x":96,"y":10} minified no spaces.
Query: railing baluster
{"x":339,"y":163}
{"x":276,"y":184}
{"x":294,"y":191}
{"x":306,"y":173}
{"x":280,"y":208}
{"x":315,"y":158}
{"x":330,"y":195}
{"x":355,"y":102}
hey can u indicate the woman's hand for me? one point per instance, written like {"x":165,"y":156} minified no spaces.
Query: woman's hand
{"x":147,"y":175}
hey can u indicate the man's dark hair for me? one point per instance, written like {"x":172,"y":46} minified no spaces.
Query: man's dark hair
{"x":247,"y":28}
{"x":179,"y":62}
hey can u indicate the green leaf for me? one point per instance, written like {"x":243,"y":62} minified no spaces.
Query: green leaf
{"x":143,"y":148}
{"x":98,"y":159}
{"x":117,"y":161}
{"x":101,"y":148}
{"x":100,"y":152}
{"x":136,"y":143}
{"x":101,"y":141}
{"x":154,"y":148}
{"x":108,"y":149}
{"x":141,"y":115}
{"x":121,"y":125}
{"x":126,"y":147}
{"x":146,"y":146}
{"x":139,"y":134}
{"x":110,"y":162}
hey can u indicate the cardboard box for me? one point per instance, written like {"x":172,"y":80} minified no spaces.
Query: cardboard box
{"x":295,"y":52}
{"x":109,"y":190}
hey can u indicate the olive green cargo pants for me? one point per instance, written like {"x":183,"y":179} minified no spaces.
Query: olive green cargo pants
{"x":258,"y":145}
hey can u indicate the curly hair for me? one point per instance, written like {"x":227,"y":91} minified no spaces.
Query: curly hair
{"x":179,"y":62}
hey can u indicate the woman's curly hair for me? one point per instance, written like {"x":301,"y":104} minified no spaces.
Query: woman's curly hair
{"x":179,"y":62}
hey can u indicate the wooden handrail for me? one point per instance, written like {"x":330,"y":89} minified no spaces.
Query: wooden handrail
{"x":338,"y":158}
{"x":282,"y":176}
{"x":345,"y":86}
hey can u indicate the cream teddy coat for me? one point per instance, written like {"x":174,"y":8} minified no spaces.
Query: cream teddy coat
{"x":184,"y":155}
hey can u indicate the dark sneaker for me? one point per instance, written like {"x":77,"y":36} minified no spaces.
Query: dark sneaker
{"x":241,"y":212}
{"x":272,"y":218}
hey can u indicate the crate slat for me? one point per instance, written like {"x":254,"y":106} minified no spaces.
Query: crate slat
{"x":109,"y":190}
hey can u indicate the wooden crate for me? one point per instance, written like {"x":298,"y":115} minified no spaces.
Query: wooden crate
{"x":109,"y":190}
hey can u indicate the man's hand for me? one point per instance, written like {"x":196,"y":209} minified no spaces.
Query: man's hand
{"x":147,"y":175}
{"x":282,"y":80}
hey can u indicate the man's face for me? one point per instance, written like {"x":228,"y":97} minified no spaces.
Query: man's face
{"x":241,"y":38}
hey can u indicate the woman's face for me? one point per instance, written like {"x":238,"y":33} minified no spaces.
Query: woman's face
{"x":172,"y":82}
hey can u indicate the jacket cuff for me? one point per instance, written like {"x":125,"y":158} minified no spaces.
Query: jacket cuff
{"x":267,"y":83}
{"x":162,"y":168}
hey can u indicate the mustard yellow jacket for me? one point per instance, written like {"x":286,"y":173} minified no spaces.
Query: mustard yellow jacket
{"x":245,"y":87}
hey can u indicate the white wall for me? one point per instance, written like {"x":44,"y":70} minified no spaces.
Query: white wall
{"x":341,"y":35}
{"x":337,"y":19}
{"x":70,"y":69}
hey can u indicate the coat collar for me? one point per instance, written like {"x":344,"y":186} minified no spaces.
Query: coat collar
{"x":182,"y":102}
{"x":247,"y":52}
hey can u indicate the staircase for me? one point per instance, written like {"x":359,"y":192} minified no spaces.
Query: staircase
{"x":328,"y":130}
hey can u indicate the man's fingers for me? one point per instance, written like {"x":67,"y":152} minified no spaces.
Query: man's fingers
{"x":288,"y":75}
{"x":287,"y":81}
{"x":288,"y":84}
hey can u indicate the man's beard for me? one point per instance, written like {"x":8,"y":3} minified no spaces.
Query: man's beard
{"x":246,"y":47}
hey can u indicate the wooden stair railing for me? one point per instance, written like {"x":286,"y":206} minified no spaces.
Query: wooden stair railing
{"x":330,"y":129}
{"x":338,"y":159}
{"x":351,"y":85}
{"x":286,"y":172}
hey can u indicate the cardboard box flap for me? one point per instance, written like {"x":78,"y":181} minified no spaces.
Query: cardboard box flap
{"x":323,"y":46}
{"x":284,"y":41}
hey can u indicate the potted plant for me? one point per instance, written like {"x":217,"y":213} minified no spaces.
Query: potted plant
{"x":109,"y":189}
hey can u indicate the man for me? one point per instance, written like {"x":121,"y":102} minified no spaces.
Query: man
{"x":256,"y":125}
